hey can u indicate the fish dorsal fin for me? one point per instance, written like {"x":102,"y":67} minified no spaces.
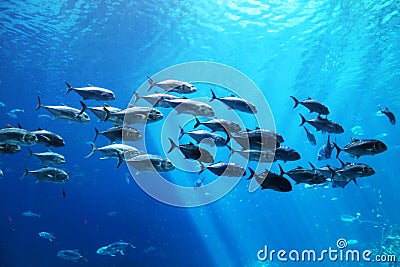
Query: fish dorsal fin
{"x":257,"y":128}
{"x":232,"y":95}
{"x":184,"y":97}
{"x":19,"y":126}
{"x":356,"y":139}
{"x":131,"y":106}
{"x":191,"y":143}
{"x":106,"y":105}
{"x":248,"y":130}
{"x":39,"y":129}
{"x":90,"y":85}
{"x":9,"y":126}
{"x":386,"y":108}
{"x":309,"y":98}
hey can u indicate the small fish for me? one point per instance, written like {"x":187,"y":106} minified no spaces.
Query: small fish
{"x":150,"y":163}
{"x":389,"y":114}
{"x":119,"y":151}
{"x":191,"y":107}
{"x":258,"y":139}
{"x":9,"y":148}
{"x":134,"y":115}
{"x":255,"y":154}
{"x":219,"y":125}
{"x":312,"y":105}
{"x":270,"y":180}
{"x":66,"y":113}
{"x":71,"y":255}
{"x":17,"y":136}
{"x":157,"y":100}
{"x":119,"y":133}
{"x":47,"y":236}
{"x":285,"y":154}
{"x":1,"y":173}
{"x":349,"y":172}
{"x":48,"y":138}
{"x":236,"y":103}
{"x":30,"y":214}
{"x":48,"y":174}
{"x":324,"y":125}
{"x":101,"y":114}
{"x":228,"y":169}
{"x":310,"y":137}
{"x":192,"y":151}
{"x":92,"y":92}
{"x":302,"y":175}
{"x":200,"y":135}
{"x":171,"y":85}
{"x":64,"y":193}
{"x":325,"y":151}
{"x":2,"y":104}
{"x":115,"y":248}
{"x":112,"y":213}
{"x":49,"y":157}
{"x":358,"y":148}
{"x":17,"y":110}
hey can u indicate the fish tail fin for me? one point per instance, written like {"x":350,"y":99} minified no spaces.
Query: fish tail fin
{"x":341,"y":162}
{"x":231,"y":150}
{"x":213,"y":96}
{"x":93,"y":150}
{"x":355,"y":181}
{"x":97,"y":134}
{"x":151,"y":82}
{"x":228,"y":137}
{"x":303,"y":120}
{"x":137,"y":97}
{"x":39,"y":105}
{"x":329,"y":139}
{"x":332,"y":171}
{"x":338,"y":149}
{"x":25,"y":173}
{"x":197,"y":124}
{"x":173,"y":145}
{"x":202,"y":167}
{"x":84,"y":107}
{"x":252,"y":173}
{"x":296,"y":102}
{"x":69,"y":89}
{"x":107,"y":114}
{"x":181,"y":133}
{"x":312,"y":166}
{"x":120,"y":160}
{"x":282,"y":172}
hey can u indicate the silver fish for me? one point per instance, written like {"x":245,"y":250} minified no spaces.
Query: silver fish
{"x":30,"y":214}
{"x":71,"y":255}
{"x":325,"y":151}
{"x":48,"y":138}
{"x":49,"y":157}
{"x":66,"y":113}
{"x":192,"y":151}
{"x":9,"y":148}
{"x":118,"y":133}
{"x":229,"y":169}
{"x":200,"y":135}
{"x":134,"y":115}
{"x":47,"y":236}
{"x":255,"y":155}
{"x":119,"y":151}
{"x":101,"y":113}
{"x":150,"y":163}
{"x":312,"y":105}
{"x":310,"y":137}
{"x":156,"y":100}
{"x":220,"y":125}
{"x":17,"y":136}
{"x":115,"y":248}
{"x":92,"y":92}
{"x":236,"y":103}
{"x":324,"y":125}
{"x":173,"y":86}
{"x":191,"y":107}
{"x":48,"y":174}
{"x":358,"y":148}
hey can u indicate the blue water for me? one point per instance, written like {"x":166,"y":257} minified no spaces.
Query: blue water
{"x":343,"y":53}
